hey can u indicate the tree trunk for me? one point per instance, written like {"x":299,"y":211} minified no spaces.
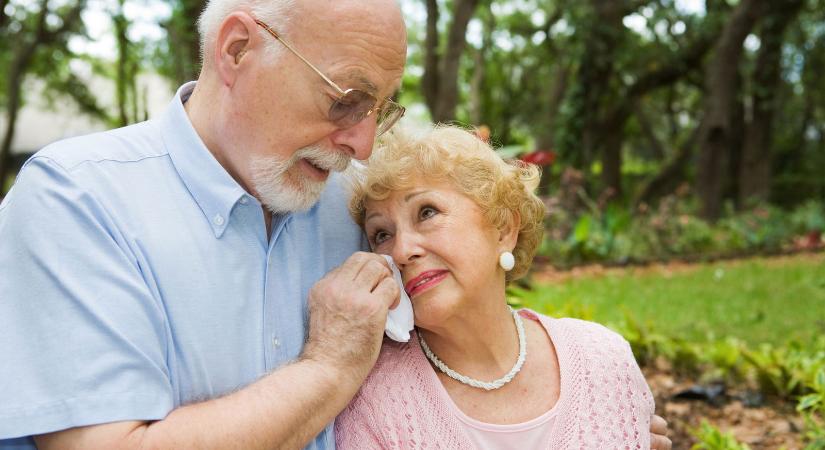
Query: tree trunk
{"x":184,"y":40}
{"x":730,"y":188}
{"x":547,"y":139}
{"x":596,"y":74}
{"x":755,"y":168}
{"x":121,"y":78}
{"x":720,"y":93}
{"x":476,"y":88}
{"x":657,"y":149}
{"x":440,"y":81}
{"x":192,"y":9}
{"x":671,"y":173}
{"x":4,"y":19}
{"x":429,"y":81}
{"x":612,"y":137}
{"x":12,"y":108}
{"x":16,"y":75}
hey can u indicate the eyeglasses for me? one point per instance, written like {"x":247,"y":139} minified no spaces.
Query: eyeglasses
{"x":352,"y":105}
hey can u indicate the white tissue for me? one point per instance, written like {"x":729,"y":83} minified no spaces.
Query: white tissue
{"x":399,"y":320}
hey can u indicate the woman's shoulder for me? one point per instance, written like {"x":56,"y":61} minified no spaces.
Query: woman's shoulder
{"x":578,"y":330}
{"x":591,"y":344}
{"x":603,"y":389}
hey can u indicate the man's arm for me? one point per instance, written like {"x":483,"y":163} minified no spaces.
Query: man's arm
{"x":290,"y":406}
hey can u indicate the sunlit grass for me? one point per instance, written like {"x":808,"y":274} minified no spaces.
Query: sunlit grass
{"x":757,"y":300}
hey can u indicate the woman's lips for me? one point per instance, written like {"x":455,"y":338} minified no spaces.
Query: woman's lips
{"x":424,"y":281}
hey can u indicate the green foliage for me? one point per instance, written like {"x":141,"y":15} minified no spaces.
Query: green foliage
{"x":812,"y":407}
{"x":808,"y":217}
{"x":711,"y":438}
{"x":787,"y":371}
{"x":674,"y":230}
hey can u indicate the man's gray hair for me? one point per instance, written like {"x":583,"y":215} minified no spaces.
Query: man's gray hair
{"x":275,"y":13}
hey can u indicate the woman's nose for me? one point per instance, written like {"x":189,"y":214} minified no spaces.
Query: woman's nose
{"x":406,"y":248}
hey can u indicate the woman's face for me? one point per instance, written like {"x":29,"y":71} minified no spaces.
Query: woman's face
{"x":447,"y":252}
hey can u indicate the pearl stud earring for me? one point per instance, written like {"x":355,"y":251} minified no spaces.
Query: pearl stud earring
{"x":507,"y":261}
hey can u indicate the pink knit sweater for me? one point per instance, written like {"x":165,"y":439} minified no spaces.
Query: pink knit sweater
{"x":604,"y":401}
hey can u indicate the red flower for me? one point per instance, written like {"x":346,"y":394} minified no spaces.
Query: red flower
{"x":541,"y":158}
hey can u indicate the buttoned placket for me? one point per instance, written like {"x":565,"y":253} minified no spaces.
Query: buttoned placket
{"x":274,"y":342}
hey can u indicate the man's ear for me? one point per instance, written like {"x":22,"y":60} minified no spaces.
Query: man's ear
{"x":508,"y":235}
{"x":237,"y":35}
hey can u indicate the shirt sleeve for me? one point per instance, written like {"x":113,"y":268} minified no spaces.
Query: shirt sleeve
{"x":82,"y":339}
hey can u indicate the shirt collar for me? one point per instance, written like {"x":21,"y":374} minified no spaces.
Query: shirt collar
{"x":213,"y":189}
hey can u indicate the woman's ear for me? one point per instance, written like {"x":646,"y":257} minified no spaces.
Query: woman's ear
{"x":508,"y":235}
{"x":236,"y":36}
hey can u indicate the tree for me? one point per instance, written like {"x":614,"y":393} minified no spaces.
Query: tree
{"x":179,"y":56}
{"x":34,"y":38}
{"x":756,"y":160}
{"x":721,"y":89}
{"x":440,"y":80}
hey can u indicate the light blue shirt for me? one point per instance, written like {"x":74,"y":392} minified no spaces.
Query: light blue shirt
{"x":136,"y":276}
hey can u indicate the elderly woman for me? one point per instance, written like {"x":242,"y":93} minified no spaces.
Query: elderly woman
{"x":460,"y":223}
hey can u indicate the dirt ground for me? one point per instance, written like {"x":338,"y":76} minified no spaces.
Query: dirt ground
{"x":545,"y":273}
{"x":770,"y":426}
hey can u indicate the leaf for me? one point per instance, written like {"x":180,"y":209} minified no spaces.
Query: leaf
{"x":808,"y":401}
{"x":582,"y":230}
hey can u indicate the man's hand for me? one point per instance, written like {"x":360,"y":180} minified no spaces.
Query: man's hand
{"x":347,"y":313}
{"x":658,"y":434}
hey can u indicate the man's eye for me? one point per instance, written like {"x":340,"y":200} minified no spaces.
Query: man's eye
{"x":427,"y":212}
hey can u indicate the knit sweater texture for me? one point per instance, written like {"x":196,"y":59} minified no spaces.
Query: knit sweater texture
{"x":604,"y":401}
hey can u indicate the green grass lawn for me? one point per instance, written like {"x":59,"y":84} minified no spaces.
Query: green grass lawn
{"x":757,"y":300}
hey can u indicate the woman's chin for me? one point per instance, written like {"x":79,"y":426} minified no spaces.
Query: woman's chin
{"x":431,"y":317}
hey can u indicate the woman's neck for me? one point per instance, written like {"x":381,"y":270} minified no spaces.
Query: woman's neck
{"x":481,"y":345}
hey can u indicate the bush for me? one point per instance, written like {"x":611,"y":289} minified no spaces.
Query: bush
{"x":711,"y":438}
{"x":812,"y":407}
{"x":593,"y":232}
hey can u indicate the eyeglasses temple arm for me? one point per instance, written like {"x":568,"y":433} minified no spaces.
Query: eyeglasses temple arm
{"x":295,"y":52}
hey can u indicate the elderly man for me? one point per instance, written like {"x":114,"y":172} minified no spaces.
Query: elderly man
{"x":158,"y":274}
{"x":167,"y":284}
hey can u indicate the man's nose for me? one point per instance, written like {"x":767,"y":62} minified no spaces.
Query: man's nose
{"x":357,"y":141}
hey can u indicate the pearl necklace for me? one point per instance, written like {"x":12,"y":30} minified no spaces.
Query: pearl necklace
{"x":487,"y":386}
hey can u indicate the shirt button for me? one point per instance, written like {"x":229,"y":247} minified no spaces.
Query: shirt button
{"x":218,"y":220}
{"x":244,"y":200}
{"x":276,"y":342}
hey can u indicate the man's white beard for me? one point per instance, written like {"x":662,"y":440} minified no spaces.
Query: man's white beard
{"x":281,"y":184}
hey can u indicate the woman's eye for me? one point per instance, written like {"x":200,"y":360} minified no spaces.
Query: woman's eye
{"x":379,"y":237}
{"x":427,"y":212}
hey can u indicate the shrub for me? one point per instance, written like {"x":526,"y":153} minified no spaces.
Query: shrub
{"x":591,"y":232}
{"x":711,"y":438}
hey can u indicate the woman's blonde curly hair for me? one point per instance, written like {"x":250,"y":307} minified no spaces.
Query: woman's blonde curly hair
{"x":504,"y":190}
